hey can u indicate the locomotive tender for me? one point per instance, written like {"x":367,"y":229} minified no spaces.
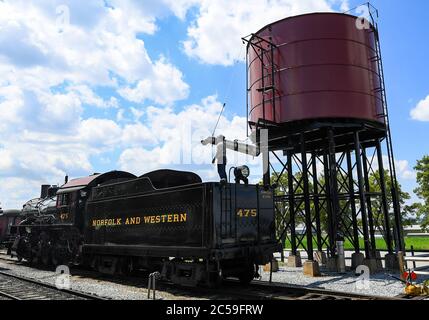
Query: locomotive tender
{"x":168,"y":221}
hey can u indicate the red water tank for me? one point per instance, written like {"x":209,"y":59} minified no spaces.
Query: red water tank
{"x":325,"y":67}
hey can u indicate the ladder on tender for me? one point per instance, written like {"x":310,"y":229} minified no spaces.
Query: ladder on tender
{"x":228,"y":218}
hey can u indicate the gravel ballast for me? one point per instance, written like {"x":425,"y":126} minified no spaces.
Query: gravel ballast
{"x":380,"y":284}
{"x":102,"y":286}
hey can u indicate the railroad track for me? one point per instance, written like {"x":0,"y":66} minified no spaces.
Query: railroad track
{"x":14,"y":287}
{"x":263,"y":290}
{"x":232,"y":289}
{"x":278,"y":291}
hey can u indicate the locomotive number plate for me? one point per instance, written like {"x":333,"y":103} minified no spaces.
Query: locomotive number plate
{"x":64,"y":216}
{"x":245,"y":213}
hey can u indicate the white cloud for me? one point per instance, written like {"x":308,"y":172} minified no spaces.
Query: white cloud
{"x":138,"y":135}
{"x":102,"y":50}
{"x":137,"y":113}
{"x":178,"y":136}
{"x":37,"y":110}
{"x":164,"y":86}
{"x":139,"y":160}
{"x":16,"y":190}
{"x":345,"y":6}
{"x":215,"y":35}
{"x":88,"y":96}
{"x":421,"y":111}
{"x":99,"y":133}
{"x":404,"y":171}
{"x":51,"y":73}
{"x":180,"y":7}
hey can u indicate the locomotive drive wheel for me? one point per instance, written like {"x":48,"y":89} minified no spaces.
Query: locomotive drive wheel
{"x":56,"y":256}
{"x":33,"y":259}
{"x":56,"y":260}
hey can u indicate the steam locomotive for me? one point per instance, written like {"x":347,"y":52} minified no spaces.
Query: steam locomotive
{"x":192,"y":232}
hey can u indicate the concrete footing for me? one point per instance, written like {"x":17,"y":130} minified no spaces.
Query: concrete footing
{"x":311,"y":268}
{"x":331,"y":264}
{"x":334,"y":264}
{"x":294,"y":261}
{"x":392,"y":262}
{"x":357,"y":259}
{"x":320,"y":257}
{"x":379,"y":262}
{"x":275,"y":265}
{"x":371,"y":264}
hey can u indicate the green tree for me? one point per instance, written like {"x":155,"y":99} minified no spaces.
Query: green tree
{"x":408,"y":212}
{"x":422,"y":191}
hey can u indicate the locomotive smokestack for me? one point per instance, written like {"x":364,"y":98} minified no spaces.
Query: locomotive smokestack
{"x":44,"y":191}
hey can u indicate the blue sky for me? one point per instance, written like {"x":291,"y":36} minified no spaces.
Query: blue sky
{"x":404,"y":32}
{"x":91,"y":87}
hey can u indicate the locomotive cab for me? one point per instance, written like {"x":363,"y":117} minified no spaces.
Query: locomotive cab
{"x":70,"y":207}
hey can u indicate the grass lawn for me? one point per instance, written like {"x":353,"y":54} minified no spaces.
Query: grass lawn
{"x":418,"y":243}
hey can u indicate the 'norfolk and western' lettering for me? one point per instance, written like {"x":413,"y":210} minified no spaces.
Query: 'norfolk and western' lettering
{"x":153,"y":219}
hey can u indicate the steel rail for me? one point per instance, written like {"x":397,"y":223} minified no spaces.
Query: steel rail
{"x":36,"y":285}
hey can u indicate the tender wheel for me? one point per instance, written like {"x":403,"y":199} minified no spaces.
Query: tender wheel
{"x":214,"y":280}
{"x":247,"y":275}
{"x":46,"y":257}
{"x":125,"y":266}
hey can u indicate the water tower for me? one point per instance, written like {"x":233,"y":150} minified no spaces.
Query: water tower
{"x":315,"y":81}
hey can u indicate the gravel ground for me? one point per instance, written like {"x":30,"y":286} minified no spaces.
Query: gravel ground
{"x":380,"y":284}
{"x":100,"y":287}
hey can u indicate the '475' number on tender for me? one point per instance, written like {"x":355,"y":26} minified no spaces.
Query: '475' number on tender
{"x":243,"y":213}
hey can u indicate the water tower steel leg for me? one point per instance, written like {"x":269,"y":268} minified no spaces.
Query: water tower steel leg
{"x":291,"y":199}
{"x":307,"y":206}
{"x":398,"y":223}
{"x":385,"y":207}
{"x":362,"y":195}
{"x":316,"y":201}
{"x":368,"y":201}
{"x":333,"y":185}
{"x":331,"y":237}
{"x":352,"y":202}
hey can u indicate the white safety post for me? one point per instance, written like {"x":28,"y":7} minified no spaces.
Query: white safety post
{"x":341,"y":263}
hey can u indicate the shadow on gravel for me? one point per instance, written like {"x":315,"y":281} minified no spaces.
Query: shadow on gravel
{"x":137,"y":280}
